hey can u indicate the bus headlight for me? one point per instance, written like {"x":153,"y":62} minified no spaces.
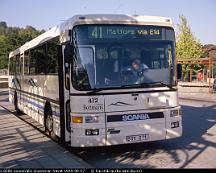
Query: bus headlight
{"x":174,"y":113}
{"x":77,"y":119}
{"x":92,"y":119}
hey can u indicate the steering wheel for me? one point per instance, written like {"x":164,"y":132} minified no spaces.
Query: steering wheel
{"x":127,"y":76}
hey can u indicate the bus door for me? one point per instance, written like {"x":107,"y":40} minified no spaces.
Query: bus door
{"x":64,"y":56}
{"x":17,"y":78}
{"x":21,"y":81}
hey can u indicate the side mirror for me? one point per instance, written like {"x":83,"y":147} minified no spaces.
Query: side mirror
{"x":179,"y":71}
{"x":59,"y":49}
{"x":68,"y":54}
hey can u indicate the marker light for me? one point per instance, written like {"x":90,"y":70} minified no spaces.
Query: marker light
{"x":77,"y":119}
{"x":174,"y":113}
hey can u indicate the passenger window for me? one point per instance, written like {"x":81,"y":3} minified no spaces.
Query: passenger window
{"x":52,"y":57}
{"x":11,"y":66}
{"x":21,"y":66}
{"x":38,"y":60}
{"x":32,"y":69}
{"x":26,"y":62}
{"x":17,"y":64}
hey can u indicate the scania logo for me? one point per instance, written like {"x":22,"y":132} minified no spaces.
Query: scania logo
{"x":133,"y":117}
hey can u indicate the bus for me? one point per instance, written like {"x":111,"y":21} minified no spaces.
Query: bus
{"x":78,"y":80}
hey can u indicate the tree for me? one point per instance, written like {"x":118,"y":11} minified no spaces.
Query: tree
{"x":4,"y":48}
{"x":188,"y":46}
{"x":13,"y":37}
{"x":3,"y":24}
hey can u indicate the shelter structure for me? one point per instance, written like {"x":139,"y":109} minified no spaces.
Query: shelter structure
{"x":208,"y":62}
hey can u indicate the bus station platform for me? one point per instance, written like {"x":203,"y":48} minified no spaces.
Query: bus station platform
{"x":23,"y":146}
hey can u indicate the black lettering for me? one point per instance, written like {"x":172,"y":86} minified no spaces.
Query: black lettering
{"x":93,"y":107}
{"x":93,"y":100}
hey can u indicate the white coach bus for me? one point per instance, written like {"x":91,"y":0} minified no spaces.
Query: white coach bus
{"x":98,"y":80}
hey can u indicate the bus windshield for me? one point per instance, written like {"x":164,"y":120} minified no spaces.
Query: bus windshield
{"x":106,"y":57}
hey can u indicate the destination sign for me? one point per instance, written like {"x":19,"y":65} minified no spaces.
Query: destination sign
{"x":106,"y":32}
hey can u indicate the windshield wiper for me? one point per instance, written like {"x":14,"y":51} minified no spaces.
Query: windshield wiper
{"x":96,"y":90}
{"x":147,"y":84}
{"x":135,"y":85}
{"x":163,"y":84}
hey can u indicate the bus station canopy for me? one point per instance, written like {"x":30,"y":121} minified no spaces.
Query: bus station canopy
{"x":208,"y":62}
{"x":204,"y":61}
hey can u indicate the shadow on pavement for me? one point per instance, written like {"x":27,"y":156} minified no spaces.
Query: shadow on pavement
{"x":4,"y":95}
{"x":21,"y":147}
{"x":196,"y":124}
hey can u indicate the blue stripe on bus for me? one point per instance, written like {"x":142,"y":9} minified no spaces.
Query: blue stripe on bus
{"x":37,"y":105}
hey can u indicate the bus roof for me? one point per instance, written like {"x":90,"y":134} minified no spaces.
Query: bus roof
{"x":92,"y":19}
{"x":52,"y":33}
{"x":115,"y":19}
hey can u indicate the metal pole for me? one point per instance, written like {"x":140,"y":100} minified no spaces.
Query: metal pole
{"x":191,"y":66}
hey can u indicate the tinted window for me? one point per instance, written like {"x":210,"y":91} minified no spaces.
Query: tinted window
{"x":21,"y":65}
{"x":52,"y":57}
{"x":14,"y":65}
{"x":32,"y":69}
{"x":43,"y":59}
{"x":17,"y":64}
{"x":26,"y":62}
{"x":38,"y":60}
{"x":11,"y":66}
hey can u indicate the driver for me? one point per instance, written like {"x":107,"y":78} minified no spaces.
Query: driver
{"x":137,"y":68}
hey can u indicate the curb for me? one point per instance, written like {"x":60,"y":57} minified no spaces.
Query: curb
{"x":197,"y":99}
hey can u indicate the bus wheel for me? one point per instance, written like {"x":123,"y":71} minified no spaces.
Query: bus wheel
{"x":49,"y":123}
{"x":15,"y":103}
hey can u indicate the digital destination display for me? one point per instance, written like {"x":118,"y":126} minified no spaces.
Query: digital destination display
{"x":108,"y":32}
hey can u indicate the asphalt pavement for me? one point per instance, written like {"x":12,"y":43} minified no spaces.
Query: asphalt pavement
{"x":22,"y":146}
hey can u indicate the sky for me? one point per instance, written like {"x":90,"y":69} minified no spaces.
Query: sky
{"x":44,"y":14}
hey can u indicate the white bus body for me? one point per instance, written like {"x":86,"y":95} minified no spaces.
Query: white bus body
{"x":76,"y":80}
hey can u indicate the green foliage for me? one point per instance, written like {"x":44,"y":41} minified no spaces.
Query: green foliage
{"x":187,"y":47}
{"x":13,"y":37}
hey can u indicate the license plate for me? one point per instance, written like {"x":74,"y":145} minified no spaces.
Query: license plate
{"x":134,"y":138}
